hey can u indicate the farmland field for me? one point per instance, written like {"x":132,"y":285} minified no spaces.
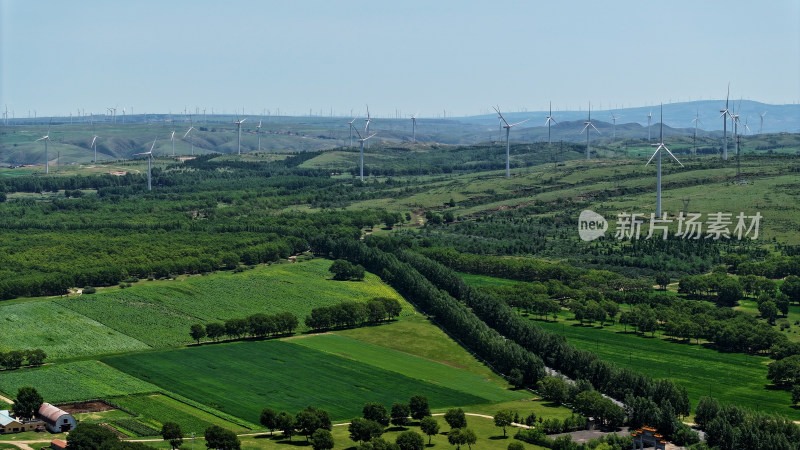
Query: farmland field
{"x":160,"y":313}
{"x":410,"y":366}
{"x":729,"y":377}
{"x":155,"y":409}
{"x":72,"y":381}
{"x":59,"y":331}
{"x":262,"y":378}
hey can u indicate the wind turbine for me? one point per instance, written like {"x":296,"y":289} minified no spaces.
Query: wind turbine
{"x":414,"y":125}
{"x":258,"y":132}
{"x":586,"y":129}
{"x":746,"y":128}
{"x":696,"y":121}
{"x":362,"y":140}
{"x":46,"y":139}
{"x":351,"y":130}
{"x":172,"y":138}
{"x":508,"y":142}
{"x":724,"y":113}
{"x":658,"y":164}
{"x":191,"y":127}
{"x":614,"y":119}
{"x":760,"y":127}
{"x":94,"y":141}
{"x":149,"y":160}
{"x":239,"y":131}
{"x":550,"y":119}
{"x":649,"y":116}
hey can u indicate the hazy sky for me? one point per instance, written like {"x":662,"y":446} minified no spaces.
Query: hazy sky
{"x":399,"y":56}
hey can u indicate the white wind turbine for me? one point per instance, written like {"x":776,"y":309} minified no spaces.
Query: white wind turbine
{"x":258,"y":132}
{"x":351,"y":130}
{"x":149,"y":165}
{"x":508,"y":142}
{"x":696,"y":121}
{"x":414,"y":126}
{"x":46,"y":139}
{"x":761,"y":127}
{"x":547,"y":122}
{"x":614,"y":119}
{"x":172,"y":138}
{"x":94,"y":146}
{"x":362,"y":140}
{"x":649,"y":117}
{"x":587,"y":130}
{"x":191,"y":142}
{"x":661,"y":146}
{"x":725,"y":113}
{"x":239,"y":134}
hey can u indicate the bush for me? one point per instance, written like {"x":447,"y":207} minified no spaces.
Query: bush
{"x":89,"y":290}
{"x":534,"y":436}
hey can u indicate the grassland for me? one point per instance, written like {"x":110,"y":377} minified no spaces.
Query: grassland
{"x":155,"y":409}
{"x":159,"y":313}
{"x":729,"y":377}
{"x":792,"y":319}
{"x":59,"y":331}
{"x":72,"y":381}
{"x":242,"y":378}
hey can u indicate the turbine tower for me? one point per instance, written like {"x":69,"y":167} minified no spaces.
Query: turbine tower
{"x":46,"y":139}
{"x":660,"y":147}
{"x":239,"y":134}
{"x":649,"y":116}
{"x":725,"y":114}
{"x":508,"y":142}
{"x":614,"y":119}
{"x":191,"y":127}
{"x":547,"y":122}
{"x":362,"y":140}
{"x":586,"y":129}
{"x":258,"y":132}
{"x":172,"y":138}
{"x":696,"y":121}
{"x":149,"y":166}
{"x":760,"y":127}
{"x":414,"y":126}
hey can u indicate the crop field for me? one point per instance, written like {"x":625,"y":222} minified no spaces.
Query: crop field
{"x":410,"y":366}
{"x":73,"y":381}
{"x":159,"y":313}
{"x":262,"y":378}
{"x":60,"y":332}
{"x":729,"y":377}
{"x":155,"y":409}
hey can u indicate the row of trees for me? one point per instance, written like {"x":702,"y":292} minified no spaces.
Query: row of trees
{"x":256,"y":325}
{"x":15,"y":359}
{"x":731,"y":426}
{"x":353,"y":314}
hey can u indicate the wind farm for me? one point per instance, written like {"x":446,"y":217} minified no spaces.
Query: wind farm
{"x":400,"y":226}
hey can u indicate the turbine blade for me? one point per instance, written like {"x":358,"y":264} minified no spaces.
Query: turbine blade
{"x":654,"y":155}
{"x":522,"y":121}
{"x":584,"y":129}
{"x":670,"y":154}
{"x":152,"y":146}
{"x":501,"y":116}
{"x":595,"y":128}
{"x":359,"y":134}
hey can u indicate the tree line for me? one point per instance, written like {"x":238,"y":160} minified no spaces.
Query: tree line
{"x":15,"y":359}
{"x":352,"y":314}
{"x":256,"y":325}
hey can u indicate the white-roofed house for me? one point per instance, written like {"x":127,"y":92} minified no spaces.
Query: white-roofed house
{"x":56,"y":419}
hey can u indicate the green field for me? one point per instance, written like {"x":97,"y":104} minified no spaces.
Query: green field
{"x":410,"y":366}
{"x":729,"y":377}
{"x":159,"y":313}
{"x":60,"y":332}
{"x":72,"y":381}
{"x":155,"y":409}
{"x":242,"y":378}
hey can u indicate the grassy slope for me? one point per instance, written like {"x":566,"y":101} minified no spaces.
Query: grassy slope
{"x":80,"y":380}
{"x":160,"y":313}
{"x":242,"y":378}
{"x":60,"y":332}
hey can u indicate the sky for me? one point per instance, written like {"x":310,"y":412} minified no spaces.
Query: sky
{"x":446,"y":57}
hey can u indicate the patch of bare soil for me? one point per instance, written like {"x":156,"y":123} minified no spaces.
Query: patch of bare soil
{"x":86,"y":407}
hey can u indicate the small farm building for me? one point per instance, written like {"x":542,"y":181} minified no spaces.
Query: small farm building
{"x":11,"y":424}
{"x":56,"y":419}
